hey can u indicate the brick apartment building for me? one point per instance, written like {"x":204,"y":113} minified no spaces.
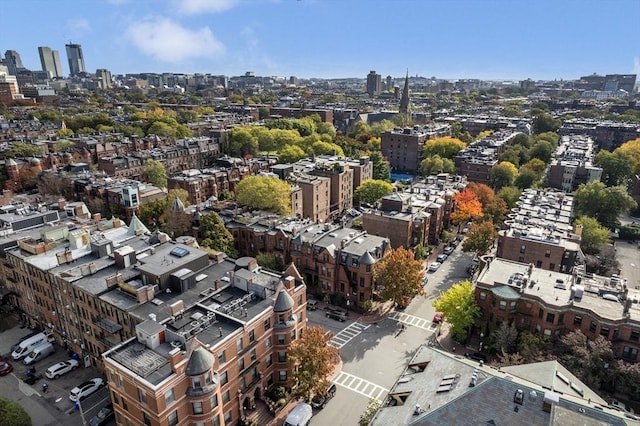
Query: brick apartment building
{"x":540,"y":232}
{"x":573,"y":163}
{"x":476,"y":161}
{"x":554,"y":303}
{"x":403,"y":147}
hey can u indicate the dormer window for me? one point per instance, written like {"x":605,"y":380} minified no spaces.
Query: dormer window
{"x":196,"y":382}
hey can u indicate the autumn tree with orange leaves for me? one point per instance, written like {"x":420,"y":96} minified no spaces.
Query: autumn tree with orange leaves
{"x":399,"y":276}
{"x":494,"y":208}
{"x":467,"y":207}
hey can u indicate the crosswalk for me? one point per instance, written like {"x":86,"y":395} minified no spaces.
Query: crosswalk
{"x":347,"y":334}
{"x":361,"y":386}
{"x":413,"y":320}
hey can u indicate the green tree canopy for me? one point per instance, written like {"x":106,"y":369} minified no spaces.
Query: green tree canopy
{"x":480,"y":237}
{"x":459,"y":307}
{"x":603,"y":203}
{"x":12,"y":414}
{"x":291,"y":154}
{"x":545,"y":122}
{"x":242,"y":142}
{"x":445,"y":147}
{"x":436,"y":164}
{"x":313,"y":359}
{"x":23,"y":150}
{"x":399,"y":276}
{"x":381,"y":169}
{"x":265,"y":192}
{"x":594,"y":235}
{"x":156,"y":173}
{"x":510,"y":194}
{"x":214,"y":234}
{"x":617,"y":166}
{"x":542,"y":150}
{"x":503,"y":174}
{"x":372,"y":190}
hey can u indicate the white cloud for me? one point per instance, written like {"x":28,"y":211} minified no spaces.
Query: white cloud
{"x":168,"y":41}
{"x":193,"y":7}
{"x":78,"y":26}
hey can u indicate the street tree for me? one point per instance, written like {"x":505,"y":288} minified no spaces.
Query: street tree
{"x":460,"y":309}
{"x":585,"y":358}
{"x":381,"y":168}
{"x":544,"y":122}
{"x":52,"y":186}
{"x":632,"y":148}
{"x":534,"y":347}
{"x":372,"y":190}
{"x":435,"y":164}
{"x":242,"y":142}
{"x":156,"y":173}
{"x":467,"y":206}
{"x":214,"y":234}
{"x":445,"y":147}
{"x":290,"y":154}
{"x":604,"y":203}
{"x":265,"y":192}
{"x":542,"y":150}
{"x":594,"y":235}
{"x":398,"y":276}
{"x":510,"y":195}
{"x":515,"y":154}
{"x":526,"y":178}
{"x":313,"y":359}
{"x":12,"y":414}
{"x":480,"y":237}
{"x":617,"y":166}
{"x":503,"y":174}
{"x":505,"y":337}
{"x":483,"y":192}
{"x":496,"y":211}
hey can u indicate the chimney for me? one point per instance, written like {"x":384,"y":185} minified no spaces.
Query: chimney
{"x":117,"y":223}
{"x":627,"y":307}
{"x":578,"y":230}
{"x":289,"y":282}
{"x":216,"y":284}
{"x":175,"y":356}
{"x":97,"y":217}
{"x":61,"y":204}
{"x":220,"y":257}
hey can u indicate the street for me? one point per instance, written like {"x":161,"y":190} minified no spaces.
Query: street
{"x":374,"y":355}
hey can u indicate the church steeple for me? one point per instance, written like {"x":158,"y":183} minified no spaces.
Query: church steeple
{"x":404,"y":100}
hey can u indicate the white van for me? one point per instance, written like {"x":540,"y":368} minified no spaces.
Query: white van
{"x":299,"y":416}
{"x":42,"y":351}
{"x":28,"y":345}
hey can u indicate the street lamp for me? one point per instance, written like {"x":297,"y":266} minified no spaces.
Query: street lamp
{"x":481,"y":342}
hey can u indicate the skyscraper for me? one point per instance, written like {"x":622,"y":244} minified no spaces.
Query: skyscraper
{"x":75,"y":58}
{"x":13,"y":61}
{"x":374,"y":84}
{"x":50,"y":60}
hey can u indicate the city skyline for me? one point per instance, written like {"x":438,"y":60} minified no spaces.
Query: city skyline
{"x":328,"y":39}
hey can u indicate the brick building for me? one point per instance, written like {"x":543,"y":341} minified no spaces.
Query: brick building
{"x":403,"y":147}
{"x":572,"y":164}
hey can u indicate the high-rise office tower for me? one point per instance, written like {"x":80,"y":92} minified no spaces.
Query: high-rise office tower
{"x":50,"y":60}
{"x":75,"y":58}
{"x":13,"y":61}
{"x":374,"y":84}
{"x":104,"y":78}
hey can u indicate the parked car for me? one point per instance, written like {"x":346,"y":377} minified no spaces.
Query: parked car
{"x":85,"y":389}
{"x":336,"y":314}
{"x":60,"y":368}
{"x":312,"y":304}
{"x":438,"y":317}
{"x":434,"y":266}
{"x":448,"y":250}
{"x":104,"y":415}
{"x":441,"y":258}
{"x":621,"y":406}
{"x":5,"y":367}
{"x":478,"y":356}
{"x":320,"y":401}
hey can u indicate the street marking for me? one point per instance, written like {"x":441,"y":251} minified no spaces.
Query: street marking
{"x":25,"y":388}
{"x":412,"y":320}
{"x":354,"y":383}
{"x":347,"y":334}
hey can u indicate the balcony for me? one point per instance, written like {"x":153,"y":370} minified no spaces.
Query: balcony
{"x":108,"y":325}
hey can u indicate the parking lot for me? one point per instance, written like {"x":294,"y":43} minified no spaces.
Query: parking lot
{"x":55,"y":401}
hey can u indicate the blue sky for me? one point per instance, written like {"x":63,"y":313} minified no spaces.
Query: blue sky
{"x":488,"y":39}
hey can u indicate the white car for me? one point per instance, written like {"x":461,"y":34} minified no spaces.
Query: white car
{"x":434,"y":266}
{"x":87,"y":388}
{"x":621,"y":406}
{"x":63,"y":367}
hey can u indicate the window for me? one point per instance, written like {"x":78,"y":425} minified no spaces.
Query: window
{"x":269,"y":360}
{"x":197,"y":407}
{"x":252,"y":336}
{"x":228,"y":418}
{"x":267,"y":324}
{"x":281,"y":339}
{"x":630,"y":354}
{"x":241,"y":364}
{"x":561,"y":319}
{"x":635,"y":335}
{"x":282,"y":356}
{"x":173,"y":418}
{"x":538,"y":263}
{"x":267,"y":342}
{"x":483,"y":295}
{"x":216,"y":421}
{"x":503,"y":305}
{"x":523,"y":248}
{"x":512,"y":306}
{"x":552,"y":266}
{"x":142,"y":396}
{"x":281,"y":319}
{"x":222,"y":357}
{"x":592,"y":327}
{"x":551,"y":317}
{"x":604,"y":332}
{"x":540,"y":313}
{"x":224,"y":378}
{"x":115,"y":398}
{"x":145,"y":419}
{"x":169,"y":396}
{"x":547,"y":253}
{"x":124,"y":405}
{"x":293,"y":335}
{"x":239,"y":345}
{"x":214,"y":401}
{"x":577,"y":321}
{"x":282,"y":375}
{"x":225,"y":397}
